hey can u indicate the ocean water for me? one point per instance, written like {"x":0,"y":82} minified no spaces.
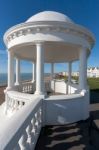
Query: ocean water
{"x":24,"y":76}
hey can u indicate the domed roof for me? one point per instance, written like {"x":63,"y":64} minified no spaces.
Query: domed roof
{"x":50,"y":16}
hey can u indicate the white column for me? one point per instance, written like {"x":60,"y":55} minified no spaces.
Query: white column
{"x":10,"y":70}
{"x":40,"y":69}
{"x":83,"y":69}
{"x":52,"y":70}
{"x":17,"y":72}
{"x":34,"y":72}
{"x":69,"y":71}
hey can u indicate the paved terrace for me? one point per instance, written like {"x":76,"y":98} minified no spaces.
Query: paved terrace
{"x":76,"y":136}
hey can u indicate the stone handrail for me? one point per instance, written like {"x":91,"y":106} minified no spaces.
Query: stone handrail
{"x":23,"y":129}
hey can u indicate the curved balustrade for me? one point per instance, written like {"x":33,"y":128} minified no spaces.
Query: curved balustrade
{"x":27,"y":87}
{"x":60,"y":86}
{"x":14,"y":101}
{"x":24,"y":127}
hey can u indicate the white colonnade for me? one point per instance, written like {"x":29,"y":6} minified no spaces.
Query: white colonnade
{"x":10,"y":69}
{"x":33,"y":72}
{"x":69,"y":71}
{"x":83,"y":69}
{"x":52,"y":71}
{"x":40,"y":69}
{"x":17,"y":71}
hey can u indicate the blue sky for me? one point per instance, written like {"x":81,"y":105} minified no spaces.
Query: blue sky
{"x":84,"y":12}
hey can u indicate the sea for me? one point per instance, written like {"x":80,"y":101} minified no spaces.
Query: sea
{"x":23,"y":76}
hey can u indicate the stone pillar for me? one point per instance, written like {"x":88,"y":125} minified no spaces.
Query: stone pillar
{"x":17,"y":72}
{"x":10,"y":70}
{"x":34,"y":73}
{"x":69,"y":71}
{"x":83,"y":69}
{"x":40,"y":69}
{"x":52,"y":71}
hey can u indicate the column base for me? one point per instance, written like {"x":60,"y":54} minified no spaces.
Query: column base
{"x":42,"y":94}
{"x":7,"y":89}
{"x":32,"y":81}
{"x":17,"y":83}
{"x":39,"y":93}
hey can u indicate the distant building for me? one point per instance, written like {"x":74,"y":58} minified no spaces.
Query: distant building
{"x":76,"y":73}
{"x":93,"y":72}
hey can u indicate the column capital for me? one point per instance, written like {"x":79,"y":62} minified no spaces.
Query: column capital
{"x":17,"y":58}
{"x":40,"y":43}
{"x":83,"y":47}
{"x":11,"y":52}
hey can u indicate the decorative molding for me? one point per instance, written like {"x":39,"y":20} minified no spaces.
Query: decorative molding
{"x":25,"y":30}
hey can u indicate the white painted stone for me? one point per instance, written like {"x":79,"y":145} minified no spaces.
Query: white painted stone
{"x":66,"y":109}
{"x":40,"y":69}
{"x":69,"y":72}
{"x":46,"y":37}
{"x":34,"y":72}
{"x":17,"y":72}
{"x":83,"y":69}
{"x":52,"y":71}
{"x":10,"y":70}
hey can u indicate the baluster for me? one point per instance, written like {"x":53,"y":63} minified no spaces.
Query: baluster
{"x":7,"y":103}
{"x":36,"y":123}
{"x":31,"y":88}
{"x":20,"y":104}
{"x":16,"y":105}
{"x":27,"y":88}
{"x":39,"y":115}
{"x":33,"y":126}
{"x":30,"y":135}
{"x":17,"y":147}
{"x":23,"y":142}
{"x":23,"y":89}
{"x":10,"y":104}
{"x":13,"y":105}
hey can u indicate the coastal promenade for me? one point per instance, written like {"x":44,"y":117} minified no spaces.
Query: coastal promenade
{"x":2,"y":97}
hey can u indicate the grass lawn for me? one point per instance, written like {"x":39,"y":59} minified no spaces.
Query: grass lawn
{"x":93,"y":83}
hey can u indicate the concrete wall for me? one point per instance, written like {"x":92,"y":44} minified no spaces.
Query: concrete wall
{"x":62,"y":109}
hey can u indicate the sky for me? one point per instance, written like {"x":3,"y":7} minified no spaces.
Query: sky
{"x":83,"y":12}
